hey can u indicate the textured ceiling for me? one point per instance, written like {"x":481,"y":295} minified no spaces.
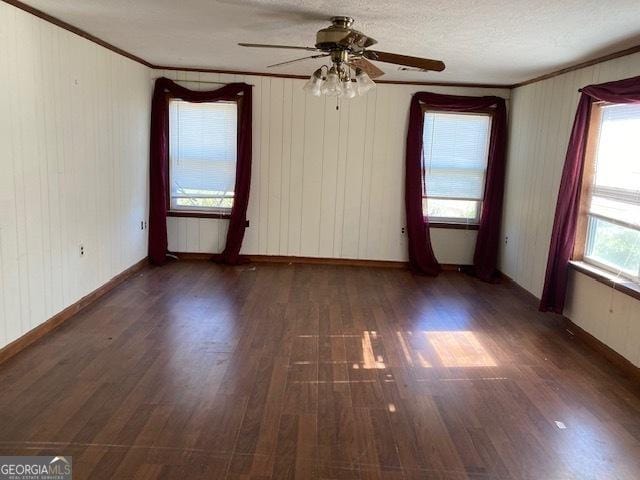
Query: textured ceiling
{"x":482,"y":41}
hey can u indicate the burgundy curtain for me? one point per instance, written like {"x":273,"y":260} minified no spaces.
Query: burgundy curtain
{"x":165,"y":90}
{"x":421,"y":258}
{"x":563,"y":235}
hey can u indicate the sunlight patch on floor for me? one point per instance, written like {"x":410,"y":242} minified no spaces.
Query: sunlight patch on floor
{"x":369,"y":359}
{"x":459,"y":349}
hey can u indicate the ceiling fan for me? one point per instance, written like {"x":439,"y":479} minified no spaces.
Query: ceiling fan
{"x":348,"y":50}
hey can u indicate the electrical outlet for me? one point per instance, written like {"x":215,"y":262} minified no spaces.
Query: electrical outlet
{"x":141,"y":224}
{"x":506,"y":239}
{"x":81,"y":250}
{"x":402,"y":231}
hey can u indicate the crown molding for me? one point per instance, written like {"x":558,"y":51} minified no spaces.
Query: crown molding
{"x":305,"y":77}
{"x":67,"y":26}
{"x":578,"y":66}
{"x":228,"y":72}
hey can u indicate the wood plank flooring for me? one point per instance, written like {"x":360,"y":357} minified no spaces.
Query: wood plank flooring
{"x":195,"y":370}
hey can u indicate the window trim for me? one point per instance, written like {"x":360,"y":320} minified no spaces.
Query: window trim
{"x":198,"y":214}
{"x":620,"y":284}
{"x":213,"y":212}
{"x":458,"y":223}
{"x":454,"y":225}
{"x":615,"y":278}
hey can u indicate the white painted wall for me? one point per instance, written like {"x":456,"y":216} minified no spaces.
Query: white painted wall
{"x":540,"y":124}
{"x":325,"y":183}
{"x":74,"y":123}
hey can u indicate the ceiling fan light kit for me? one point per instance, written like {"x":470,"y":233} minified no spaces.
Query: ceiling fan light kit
{"x":348,"y":50}
{"x":337,"y":82}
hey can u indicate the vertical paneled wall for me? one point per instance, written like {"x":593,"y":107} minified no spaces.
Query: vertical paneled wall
{"x":326,"y":182}
{"x":541,"y":120}
{"x":74,"y":123}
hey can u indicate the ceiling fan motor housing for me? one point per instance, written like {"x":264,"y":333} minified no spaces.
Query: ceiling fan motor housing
{"x":340,"y":36}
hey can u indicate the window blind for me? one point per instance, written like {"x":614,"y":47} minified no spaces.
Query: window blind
{"x":202,"y":153}
{"x":455,"y":151}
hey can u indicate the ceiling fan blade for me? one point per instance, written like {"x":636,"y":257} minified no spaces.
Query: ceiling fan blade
{"x":367,"y":67}
{"x":298,"y":60}
{"x":290,"y":47}
{"x":417,"y":62}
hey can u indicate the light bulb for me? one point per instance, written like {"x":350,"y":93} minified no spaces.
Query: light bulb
{"x":364,"y":82}
{"x":314,"y":84}
{"x":349,"y":89}
{"x":332,"y":85}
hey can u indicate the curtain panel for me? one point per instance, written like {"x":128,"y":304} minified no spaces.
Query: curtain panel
{"x":164,"y":91}
{"x":421,"y":257}
{"x":563,"y":235}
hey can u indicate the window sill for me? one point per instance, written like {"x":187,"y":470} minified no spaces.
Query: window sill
{"x":197,"y":214}
{"x":454,"y":226}
{"x":620,"y":284}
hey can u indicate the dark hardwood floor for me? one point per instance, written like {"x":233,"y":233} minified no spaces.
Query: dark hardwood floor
{"x":196,"y":370}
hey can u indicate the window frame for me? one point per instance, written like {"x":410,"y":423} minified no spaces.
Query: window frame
{"x":457,"y":223}
{"x":580,"y":260}
{"x":213,"y":212}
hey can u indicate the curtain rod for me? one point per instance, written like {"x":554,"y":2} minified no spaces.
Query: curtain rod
{"x":213,"y":83}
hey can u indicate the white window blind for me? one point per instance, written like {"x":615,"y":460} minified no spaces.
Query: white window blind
{"x":455,"y":151}
{"x":202,"y":154}
{"x":613,"y":233}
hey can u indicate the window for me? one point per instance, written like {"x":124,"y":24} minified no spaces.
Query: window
{"x":610,"y":227}
{"x":202,"y":156}
{"x":454,"y":164}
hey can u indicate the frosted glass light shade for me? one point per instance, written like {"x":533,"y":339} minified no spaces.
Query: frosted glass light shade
{"x":349,"y":89}
{"x":332,"y":86}
{"x":314,"y":84}
{"x":364,"y":82}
